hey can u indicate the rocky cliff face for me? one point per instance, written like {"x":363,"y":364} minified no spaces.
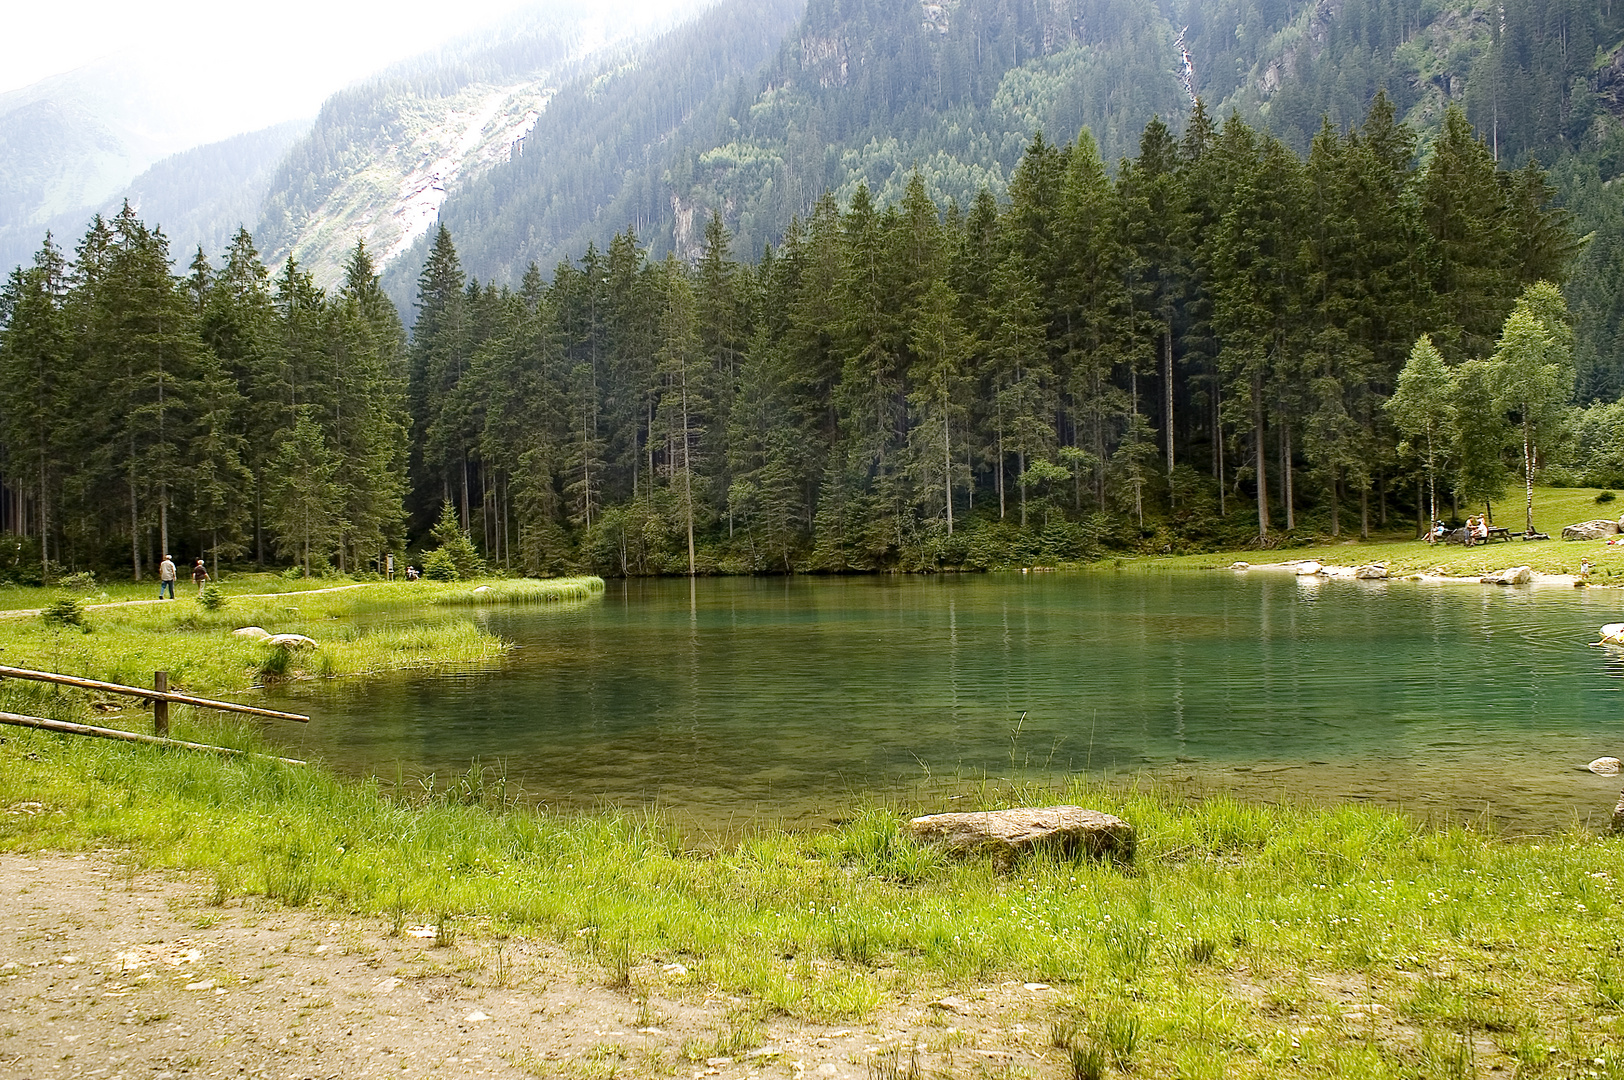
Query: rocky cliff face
{"x":390,"y":190}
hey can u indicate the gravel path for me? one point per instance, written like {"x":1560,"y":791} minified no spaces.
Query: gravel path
{"x":111,"y":973}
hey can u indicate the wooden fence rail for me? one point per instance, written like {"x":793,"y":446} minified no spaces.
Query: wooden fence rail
{"x":67,"y":728}
{"x":159,"y":694}
{"x":161,"y":699}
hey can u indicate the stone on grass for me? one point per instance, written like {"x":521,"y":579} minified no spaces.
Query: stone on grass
{"x":1373,"y":572}
{"x":1004,"y":834}
{"x":1606,"y":766}
{"x":1512,"y":575}
{"x":291,"y":641}
{"x":258,"y":633}
{"x":1309,"y":569}
{"x":1590,"y":530}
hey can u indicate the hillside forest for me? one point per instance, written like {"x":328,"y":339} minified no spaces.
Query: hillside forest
{"x":1226,"y":341}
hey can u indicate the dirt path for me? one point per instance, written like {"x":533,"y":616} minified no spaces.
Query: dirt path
{"x":110,"y":973}
{"x":20,"y":612}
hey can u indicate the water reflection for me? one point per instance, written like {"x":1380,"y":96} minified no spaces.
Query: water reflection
{"x":789,"y":698}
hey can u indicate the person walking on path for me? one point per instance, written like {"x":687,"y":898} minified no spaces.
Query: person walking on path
{"x":200,"y":576}
{"x":166,"y":577}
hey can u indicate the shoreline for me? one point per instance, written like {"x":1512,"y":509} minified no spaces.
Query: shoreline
{"x":1299,"y":568}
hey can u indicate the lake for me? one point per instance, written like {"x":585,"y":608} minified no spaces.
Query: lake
{"x":735,"y":700}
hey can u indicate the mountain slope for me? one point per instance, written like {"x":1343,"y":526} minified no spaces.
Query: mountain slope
{"x":849,"y":93}
{"x":200,"y":196}
{"x":383,"y":154}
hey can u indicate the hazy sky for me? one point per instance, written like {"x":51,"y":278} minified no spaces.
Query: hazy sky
{"x":331,"y":41}
{"x":265,"y":62}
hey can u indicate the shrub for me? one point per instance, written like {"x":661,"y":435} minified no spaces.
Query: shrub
{"x":1606,"y":497}
{"x":211,"y":598}
{"x":439,"y":565}
{"x":293,"y":573}
{"x":456,"y":546}
{"x":83,"y":581}
{"x":66,"y":610}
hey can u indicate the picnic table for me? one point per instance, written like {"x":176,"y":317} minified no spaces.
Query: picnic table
{"x":1498,"y":532}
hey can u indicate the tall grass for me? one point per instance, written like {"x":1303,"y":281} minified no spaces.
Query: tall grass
{"x":194,"y":643}
{"x":1244,"y":940}
{"x":522,"y":591}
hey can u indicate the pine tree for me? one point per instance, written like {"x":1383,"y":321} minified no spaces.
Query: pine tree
{"x":36,"y":386}
{"x":439,"y":354}
{"x":940,"y":348}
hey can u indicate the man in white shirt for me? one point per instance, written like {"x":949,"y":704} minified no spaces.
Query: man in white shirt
{"x":166,"y":577}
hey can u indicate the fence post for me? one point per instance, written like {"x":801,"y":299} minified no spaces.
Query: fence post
{"x":160,"y":707}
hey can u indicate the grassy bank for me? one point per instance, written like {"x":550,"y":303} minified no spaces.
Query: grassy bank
{"x":365,"y":629}
{"x":1245,"y":940}
{"x":1553,"y":508}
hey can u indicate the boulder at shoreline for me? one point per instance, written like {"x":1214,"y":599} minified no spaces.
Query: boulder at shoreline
{"x":1513,"y":575}
{"x":1004,"y":834}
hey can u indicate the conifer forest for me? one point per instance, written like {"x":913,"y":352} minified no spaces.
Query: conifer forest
{"x":1218,"y":340}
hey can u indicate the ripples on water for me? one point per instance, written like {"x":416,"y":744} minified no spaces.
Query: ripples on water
{"x":787,"y":699}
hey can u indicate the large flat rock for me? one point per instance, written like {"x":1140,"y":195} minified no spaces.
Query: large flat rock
{"x":1590,"y":530}
{"x":1004,"y":834}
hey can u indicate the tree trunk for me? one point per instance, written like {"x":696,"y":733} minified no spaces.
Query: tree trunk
{"x":1020,"y":458}
{"x":947,"y":465}
{"x":1167,"y":351}
{"x":1336,"y":516}
{"x":1000,"y":465}
{"x":135,"y":530}
{"x":687,"y":472}
{"x":1218,"y":443}
{"x":1364,"y":513}
{"x":1258,"y":450}
{"x":1528,"y":474}
{"x":1285,"y":476}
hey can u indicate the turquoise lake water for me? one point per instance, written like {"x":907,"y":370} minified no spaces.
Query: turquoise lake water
{"x":734,"y":700}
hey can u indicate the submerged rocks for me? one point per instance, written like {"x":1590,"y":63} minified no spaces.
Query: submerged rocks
{"x":1373,"y":572}
{"x":1513,"y":575}
{"x":1309,"y":568}
{"x":1004,"y":834}
{"x":1606,"y":766}
{"x":291,"y":641}
{"x":258,"y":633}
{"x":1590,"y":530}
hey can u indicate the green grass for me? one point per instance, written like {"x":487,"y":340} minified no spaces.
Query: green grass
{"x":366,"y":630}
{"x":1246,"y":940}
{"x":1553,"y":508}
{"x":20,"y":597}
{"x":522,"y":591}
